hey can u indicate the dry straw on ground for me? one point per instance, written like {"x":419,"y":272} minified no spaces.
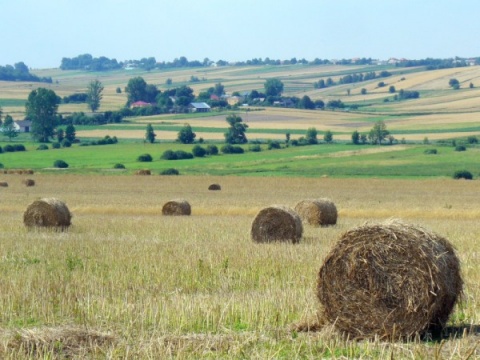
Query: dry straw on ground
{"x":215,"y":187}
{"x":47,"y":212}
{"x":143,"y":172}
{"x":319,"y":212}
{"x":390,"y":280}
{"x":28,"y":182}
{"x":63,"y":342}
{"x":176,"y":207}
{"x":277,"y":223}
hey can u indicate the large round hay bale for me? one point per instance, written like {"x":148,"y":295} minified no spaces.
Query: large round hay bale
{"x":389,"y":280}
{"x":143,"y":172}
{"x":47,"y":212}
{"x":215,"y":187}
{"x":28,"y":182}
{"x":277,"y":223}
{"x":3,"y":184}
{"x":177,"y":207}
{"x":319,"y":212}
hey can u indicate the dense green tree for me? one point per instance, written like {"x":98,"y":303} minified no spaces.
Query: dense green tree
{"x":94,"y":94}
{"x":392,"y":89}
{"x":150,"y":134}
{"x":311,"y":136}
{"x":138,"y":90}
{"x":219,"y":89}
{"x":356,"y":137}
{"x":41,"y":109}
{"x":363,"y":91}
{"x":8,"y":128}
{"x":1,"y":114}
{"x":273,"y":87}
{"x":306,"y":103}
{"x":60,"y":135}
{"x":70,"y":133}
{"x":328,"y":137}
{"x":236,"y":132}
{"x":186,"y":135}
{"x":454,"y":84}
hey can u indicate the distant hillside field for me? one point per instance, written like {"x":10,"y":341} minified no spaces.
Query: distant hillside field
{"x":439,"y":113}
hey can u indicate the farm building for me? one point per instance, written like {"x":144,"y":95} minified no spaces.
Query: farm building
{"x":137,"y":104}
{"x":199,"y":107}
{"x":23,"y":126}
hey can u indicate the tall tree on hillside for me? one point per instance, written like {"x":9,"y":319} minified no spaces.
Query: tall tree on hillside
{"x":150,"y":134}
{"x":8,"y":128}
{"x":186,"y":135}
{"x":378,"y":133}
{"x":236,"y":132}
{"x":1,"y":113}
{"x":94,"y":94}
{"x":70,"y":133}
{"x":41,"y":109}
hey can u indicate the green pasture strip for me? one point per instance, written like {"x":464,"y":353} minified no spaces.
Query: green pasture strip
{"x":12,"y":102}
{"x":307,"y":161}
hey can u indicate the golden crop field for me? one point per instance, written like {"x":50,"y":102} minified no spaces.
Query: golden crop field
{"x":126,"y":282}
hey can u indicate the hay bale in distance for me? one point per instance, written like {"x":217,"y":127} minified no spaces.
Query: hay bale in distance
{"x":277,"y":223}
{"x":47,"y":212}
{"x":320,"y":212}
{"x":28,"y":182}
{"x":215,"y":187}
{"x":3,"y":184}
{"x":143,"y":172}
{"x":390,"y":280}
{"x":176,"y":207}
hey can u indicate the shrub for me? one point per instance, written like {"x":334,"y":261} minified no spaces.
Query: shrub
{"x":273,"y":145}
{"x":9,"y":148}
{"x":169,"y":155}
{"x":60,"y":164}
{"x":42,"y":147}
{"x":56,"y":146}
{"x":181,"y":155}
{"x":66,"y":143}
{"x":463,"y":174}
{"x":255,"y":148}
{"x":199,"y":151}
{"x":472,"y":139}
{"x":145,"y":158}
{"x":119,"y":166}
{"x":212,"y":150}
{"x":19,"y":147}
{"x":460,"y":148}
{"x":232,"y":149}
{"x":431,"y":151}
{"x":1,"y":166}
{"x":170,"y":171}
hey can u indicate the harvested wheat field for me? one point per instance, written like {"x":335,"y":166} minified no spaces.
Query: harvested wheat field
{"x":127,"y":282}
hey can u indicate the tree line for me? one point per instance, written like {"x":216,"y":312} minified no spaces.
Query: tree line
{"x":20,"y":72}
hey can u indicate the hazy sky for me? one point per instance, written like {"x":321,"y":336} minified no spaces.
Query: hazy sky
{"x":41,"y":32}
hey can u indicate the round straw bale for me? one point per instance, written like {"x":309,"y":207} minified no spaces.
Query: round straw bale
{"x":3,"y":184}
{"x":176,"y":207}
{"x":28,"y":182}
{"x":277,"y":223}
{"x":47,"y":212}
{"x":320,"y":212}
{"x":389,"y":280}
{"x":143,"y":172}
{"x":214,"y":187}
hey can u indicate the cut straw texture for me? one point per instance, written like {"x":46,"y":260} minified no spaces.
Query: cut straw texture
{"x":319,"y":212}
{"x":389,"y":280}
{"x":176,"y":207}
{"x":47,"y":212}
{"x":277,"y":223}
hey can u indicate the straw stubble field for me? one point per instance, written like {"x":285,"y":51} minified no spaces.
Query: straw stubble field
{"x":126,"y":282}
